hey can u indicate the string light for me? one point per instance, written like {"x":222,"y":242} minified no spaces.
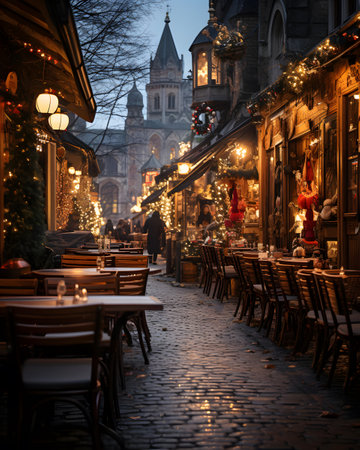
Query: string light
{"x":41,"y":53}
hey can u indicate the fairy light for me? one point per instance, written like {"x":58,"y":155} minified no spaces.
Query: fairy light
{"x":41,"y":53}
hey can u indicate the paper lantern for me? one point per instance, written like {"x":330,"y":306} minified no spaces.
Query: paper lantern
{"x":59,"y":121}
{"x":47,"y":103}
{"x":71,"y":170}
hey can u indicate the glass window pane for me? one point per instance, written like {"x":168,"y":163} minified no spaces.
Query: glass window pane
{"x":202,"y":69}
{"x":215,"y":69}
{"x":352,"y":184}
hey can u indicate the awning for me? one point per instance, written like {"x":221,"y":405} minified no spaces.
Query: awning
{"x":153,"y":197}
{"x":212,"y":152}
{"x":47,"y":27}
{"x":73,"y":143}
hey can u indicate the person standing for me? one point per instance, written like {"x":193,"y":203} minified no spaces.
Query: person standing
{"x":155,"y":228}
{"x":109,"y":228}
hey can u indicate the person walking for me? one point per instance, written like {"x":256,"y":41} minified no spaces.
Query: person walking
{"x":155,"y":228}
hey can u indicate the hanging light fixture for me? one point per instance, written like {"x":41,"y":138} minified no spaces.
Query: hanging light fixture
{"x":59,"y":120}
{"x":47,"y":103}
{"x":71,"y":170}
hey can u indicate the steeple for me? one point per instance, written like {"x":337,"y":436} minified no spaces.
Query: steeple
{"x":166,"y":50}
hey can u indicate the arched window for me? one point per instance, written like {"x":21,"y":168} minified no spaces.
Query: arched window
{"x":109,"y":197}
{"x":157,"y":102}
{"x":277,"y":40}
{"x":172,"y":153}
{"x":101,"y":163}
{"x":202,"y":68}
{"x":171,"y":101}
{"x":155,"y":145}
{"x":111,"y":166}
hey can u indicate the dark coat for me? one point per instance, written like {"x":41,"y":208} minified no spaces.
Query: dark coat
{"x":155,"y":228}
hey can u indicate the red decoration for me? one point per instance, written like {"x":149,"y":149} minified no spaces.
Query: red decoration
{"x":198,"y":126}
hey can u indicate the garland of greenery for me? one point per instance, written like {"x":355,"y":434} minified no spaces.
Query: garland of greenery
{"x":198,"y":126}
{"x":24,"y":218}
{"x":248,"y":174}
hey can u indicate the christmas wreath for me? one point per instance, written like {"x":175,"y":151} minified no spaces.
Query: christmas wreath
{"x":198,"y":126}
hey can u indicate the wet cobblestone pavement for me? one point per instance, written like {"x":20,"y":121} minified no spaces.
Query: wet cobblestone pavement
{"x":215,"y":383}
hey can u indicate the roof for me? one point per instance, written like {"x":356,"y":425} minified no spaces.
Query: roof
{"x":151,"y":164}
{"x":166,"y":49}
{"x":212,"y":152}
{"x":49,"y":26}
{"x":135,"y":97}
{"x":72,"y":142}
{"x":95,"y":137}
{"x":153,"y":197}
{"x":202,"y":37}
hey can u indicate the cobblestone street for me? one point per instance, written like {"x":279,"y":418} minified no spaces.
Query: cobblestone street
{"x":207,"y":385}
{"x":215,"y":383}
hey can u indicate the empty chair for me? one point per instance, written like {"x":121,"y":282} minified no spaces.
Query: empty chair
{"x":343,"y":291}
{"x":47,"y":376}
{"x":244,"y":285}
{"x":106,"y":284}
{"x":84,"y":260}
{"x":255,"y":288}
{"x":130,"y":260}
{"x":226,"y":273}
{"x":15,"y":286}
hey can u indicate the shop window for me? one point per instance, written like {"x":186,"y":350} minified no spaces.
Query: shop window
{"x":351,"y":135}
{"x":157,"y":102}
{"x":330,"y":153}
{"x":215,"y":69}
{"x":202,"y":69}
{"x":109,"y":196}
{"x":171,"y":101}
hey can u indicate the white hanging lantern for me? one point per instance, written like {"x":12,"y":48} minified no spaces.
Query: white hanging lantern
{"x":59,"y":121}
{"x":47,"y":103}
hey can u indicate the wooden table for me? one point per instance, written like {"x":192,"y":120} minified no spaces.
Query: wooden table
{"x":87,"y":271}
{"x":112,"y":251}
{"x":110,"y":303}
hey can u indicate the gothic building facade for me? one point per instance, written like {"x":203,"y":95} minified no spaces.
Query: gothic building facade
{"x":122,"y":152}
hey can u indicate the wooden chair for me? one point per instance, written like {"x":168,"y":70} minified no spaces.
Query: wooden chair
{"x":211,"y":273}
{"x":130,"y":260}
{"x":343,"y":291}
{"x":40,"y":379}
{"x":294,"y":309}
{"x":244,"y":286}
{"x":278,"y":301}
{"x":204,"y":271}
{"x":106,"y":284}
{"x":18,"y":286}
{"x":84,"y":260}
{"x":256,"y":292}
{"x":313,"y":315}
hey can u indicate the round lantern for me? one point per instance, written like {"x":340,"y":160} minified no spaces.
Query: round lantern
{"x":47,"y":103}
{"x":59,"y":121}
{"x":71,"y":170}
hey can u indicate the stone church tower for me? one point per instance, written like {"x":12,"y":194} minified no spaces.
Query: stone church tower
{"x":168,"y":117}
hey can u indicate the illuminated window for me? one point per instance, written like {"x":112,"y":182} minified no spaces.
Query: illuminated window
{"x":172,"y":153}
{"x":157,"y":101}
{"x":215,"y":69}
{"x":150,"y":177}
{"x":155,"y":145}
{"x":171,"y":101}
{"x":109,"y":199}
{"x":202,"y":69}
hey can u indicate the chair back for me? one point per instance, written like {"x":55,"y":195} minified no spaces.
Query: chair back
{"x":308,"y":291}
{"x":270,"y":278}
{"x":84,"y":260}
{"x":287,"y":279}
{"x":252,"y":269}
{"x":55,"y":328}
{"x":18,"y":286}
{"x":238,"y":264}
{"x":106,"y":284}
{"x":220,"y":259}
{"x":132,"y":283}
{"x":299,"y":263}
{"x":130,"y":260}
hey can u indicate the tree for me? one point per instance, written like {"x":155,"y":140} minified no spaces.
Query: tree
{"x":114,"y":44}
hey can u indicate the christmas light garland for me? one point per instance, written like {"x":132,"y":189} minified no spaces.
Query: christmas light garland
{"x":299,"y":74}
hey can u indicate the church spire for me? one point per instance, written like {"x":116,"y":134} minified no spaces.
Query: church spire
{"x":166,"y":50}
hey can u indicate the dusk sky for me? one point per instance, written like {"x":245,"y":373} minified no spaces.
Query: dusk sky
{"x":187,"y":18}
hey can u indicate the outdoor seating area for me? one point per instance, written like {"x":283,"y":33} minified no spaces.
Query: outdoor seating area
{"x":64,"y":329}
{"x":298,"y":306}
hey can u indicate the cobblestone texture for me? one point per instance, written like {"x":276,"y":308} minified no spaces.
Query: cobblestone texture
{"x":207,"y":387}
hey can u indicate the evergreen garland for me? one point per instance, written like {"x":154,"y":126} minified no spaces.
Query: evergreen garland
{"x":24,"y":218}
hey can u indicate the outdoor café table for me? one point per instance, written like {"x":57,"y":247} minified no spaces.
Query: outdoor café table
{"x":87,"y":271}
{"x":122,"y":305}
{"x":112,"y":251}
